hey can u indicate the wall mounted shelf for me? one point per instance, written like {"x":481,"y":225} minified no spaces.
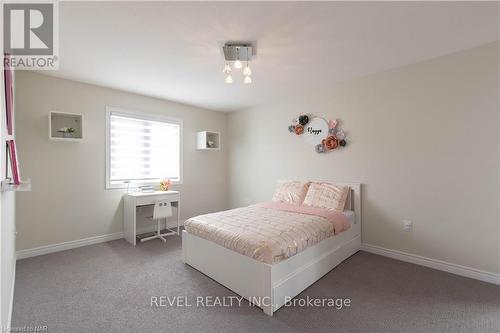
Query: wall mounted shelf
{"x":208,"y":140}
{"x":7,"y":185}
{"x":59,"y":120}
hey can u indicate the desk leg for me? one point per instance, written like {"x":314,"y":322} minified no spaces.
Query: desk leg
{"x":134,"y":225}
{"x":129,"y":216}
{"x":178,"y":215}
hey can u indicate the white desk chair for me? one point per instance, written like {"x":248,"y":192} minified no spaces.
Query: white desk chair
{"x":161,"y":210}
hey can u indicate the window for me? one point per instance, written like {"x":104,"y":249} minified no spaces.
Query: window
{"x":141,"y":149}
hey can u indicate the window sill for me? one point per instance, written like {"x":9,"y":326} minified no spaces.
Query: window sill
{"x":122,"y":186}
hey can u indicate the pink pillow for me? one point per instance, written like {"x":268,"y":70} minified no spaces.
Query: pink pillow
{"x":291,"y":192}
{"x":325,"y":195}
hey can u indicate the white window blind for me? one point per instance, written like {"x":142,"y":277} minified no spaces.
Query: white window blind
{"x":143,"y":149}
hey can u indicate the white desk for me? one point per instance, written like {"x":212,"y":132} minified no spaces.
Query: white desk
{"x":133,"y":200}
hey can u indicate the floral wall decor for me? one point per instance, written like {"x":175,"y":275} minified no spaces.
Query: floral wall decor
{"x":323,"y":135}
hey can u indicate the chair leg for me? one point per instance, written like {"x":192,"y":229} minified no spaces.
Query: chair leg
{"x":159,"y":231}
{"x":149,"y":238}
{"x":158,"y":234}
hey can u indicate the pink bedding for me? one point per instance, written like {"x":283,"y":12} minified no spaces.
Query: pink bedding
{"x":339,"y":220}
{"x":268,"y":232}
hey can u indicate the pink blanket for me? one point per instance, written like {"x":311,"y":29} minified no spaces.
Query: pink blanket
{"x":339,"y":220}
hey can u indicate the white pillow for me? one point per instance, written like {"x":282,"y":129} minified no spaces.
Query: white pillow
{"x":325,"y":195}
{"x":291,"y":192}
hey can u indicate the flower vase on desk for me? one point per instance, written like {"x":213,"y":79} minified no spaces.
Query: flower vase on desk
{"x":165,"y":184}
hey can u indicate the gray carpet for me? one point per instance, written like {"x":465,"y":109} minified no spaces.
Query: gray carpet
{"x":107,"y":288}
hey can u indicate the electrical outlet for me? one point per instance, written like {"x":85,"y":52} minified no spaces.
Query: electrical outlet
{"x":407,"y":225}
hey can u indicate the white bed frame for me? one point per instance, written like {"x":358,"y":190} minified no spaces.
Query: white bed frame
{"x":265,"y":285}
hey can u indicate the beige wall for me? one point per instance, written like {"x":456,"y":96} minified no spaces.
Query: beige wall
{"x":68,"y":200}
{"x":424,"y":139}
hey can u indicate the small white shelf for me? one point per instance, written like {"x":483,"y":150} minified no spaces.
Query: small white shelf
{"x":208,"y":140}
{"x":58,"y":120}
{"x":7,"y":185}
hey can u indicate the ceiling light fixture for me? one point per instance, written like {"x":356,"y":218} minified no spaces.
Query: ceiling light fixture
{"x":237,"y":53}
{"x":227,"y":69}
{"x":237,"y":63}
{"x":247,"y":71}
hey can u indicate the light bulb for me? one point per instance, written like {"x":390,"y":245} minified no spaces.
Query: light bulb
{"x":237,"y":64}
{"x":247,"y":71}
{"x":227,"y":69}
{"x":247,"y":79}
{"x":228,"y":79}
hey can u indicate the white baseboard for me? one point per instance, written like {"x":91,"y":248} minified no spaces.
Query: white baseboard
{"x":46,"y":249}
{"x":37,"y":251}
{"x":469,"y":272}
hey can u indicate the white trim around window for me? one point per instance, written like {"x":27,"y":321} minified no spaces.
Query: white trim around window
{"x":110,"y":110}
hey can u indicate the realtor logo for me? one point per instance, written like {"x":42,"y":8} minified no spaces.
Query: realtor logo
{"x":30,"y":35}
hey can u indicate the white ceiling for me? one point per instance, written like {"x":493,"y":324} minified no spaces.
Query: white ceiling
{"x":171,"y":50}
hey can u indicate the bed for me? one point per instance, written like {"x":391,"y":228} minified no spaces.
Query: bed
{"x":268,"y":282}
